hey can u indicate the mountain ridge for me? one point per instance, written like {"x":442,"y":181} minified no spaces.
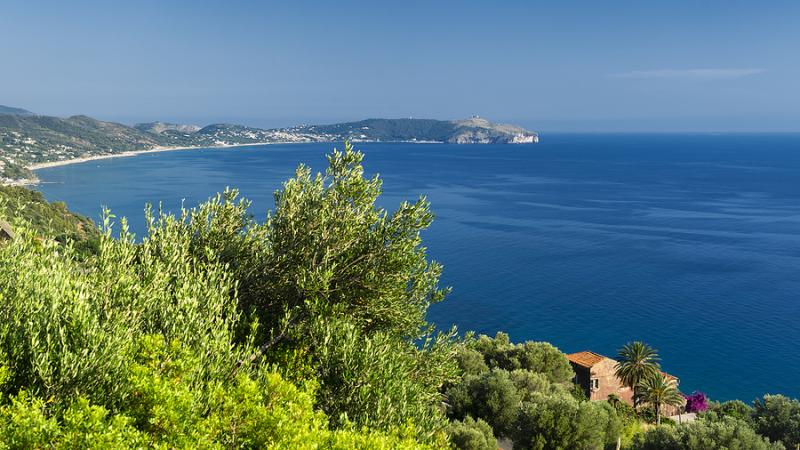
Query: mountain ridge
{"x":15,"y":111}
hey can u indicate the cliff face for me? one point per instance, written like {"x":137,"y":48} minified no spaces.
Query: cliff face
{"x":468,"y":131}
{"x":481,"y":131}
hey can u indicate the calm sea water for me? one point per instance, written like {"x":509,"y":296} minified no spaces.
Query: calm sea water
{"x":688,"y":242}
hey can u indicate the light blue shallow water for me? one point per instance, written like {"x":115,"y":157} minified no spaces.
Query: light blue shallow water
{"x":689,"y":242}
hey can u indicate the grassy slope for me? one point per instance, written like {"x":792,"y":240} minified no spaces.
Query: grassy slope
{"x":48,"y":219}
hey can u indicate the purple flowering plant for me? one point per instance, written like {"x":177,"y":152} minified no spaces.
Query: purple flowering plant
{"x":696,"y":402}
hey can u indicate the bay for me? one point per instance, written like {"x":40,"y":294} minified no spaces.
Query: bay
{"x":690,"y":242}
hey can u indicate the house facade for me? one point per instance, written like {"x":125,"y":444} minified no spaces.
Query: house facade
{"x":596,"y":374}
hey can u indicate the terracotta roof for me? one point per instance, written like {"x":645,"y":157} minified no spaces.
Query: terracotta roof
{"x":585,"y":358}
{"x":668,"y":376}
{"x":588,"y":359}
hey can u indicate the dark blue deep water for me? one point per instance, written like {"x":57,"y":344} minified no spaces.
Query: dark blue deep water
{"x":688,"y":242}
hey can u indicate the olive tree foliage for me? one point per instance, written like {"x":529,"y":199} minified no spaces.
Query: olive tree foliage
{"x":68,"y":327}
{"x":326,"y":250}
{"x":778,"y":418}
{"x":336,"y":288}
{"x":523,"y":391}
{"x":731,"y":408}
{"x":491,"y":396}
{"x":727,"y":433}
{"x":562,"y":422}
{"x":330,"y":291}
{"x":380,"y":381}
{"x":471,"y":434}
{"x":540,"y":357}
{"x":164,"y":410}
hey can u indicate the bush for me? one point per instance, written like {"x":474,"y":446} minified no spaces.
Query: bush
{"x":52,"y":220}
{"x":539,"y":357}
{"x":778,"y":418}
{"x":379,"y":382}
{"x":736,"y":409}
{"x":703,"y":434}
{"x":182,"y":338}
{"x":263,"y":411}
{"x":561,"y":422}
{"x":491,"y":396}
{"x":471,"y":434}
{"x":67,"y":328}
{"x":696,"y":402}
{"x":470,"y":361}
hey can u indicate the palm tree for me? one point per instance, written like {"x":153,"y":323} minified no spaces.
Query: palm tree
{"x":636,"y":361}
{"x":660,"y":390}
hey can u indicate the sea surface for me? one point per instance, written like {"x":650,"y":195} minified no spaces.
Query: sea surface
{"x":690,"y":242}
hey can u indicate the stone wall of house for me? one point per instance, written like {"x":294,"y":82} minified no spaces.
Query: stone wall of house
{"x":604,"y":372}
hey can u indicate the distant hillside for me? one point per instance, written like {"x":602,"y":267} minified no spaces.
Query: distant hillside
{"x":163,"y":127}
{"x":470,"y":131}
{"x":27,"y":139}
{"x":33,"y":139}
{"x":15,"y":111}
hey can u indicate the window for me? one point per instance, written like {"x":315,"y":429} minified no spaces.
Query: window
{"x":595,"y":383}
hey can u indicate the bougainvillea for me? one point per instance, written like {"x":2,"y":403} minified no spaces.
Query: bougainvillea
{"x":697,"y":402}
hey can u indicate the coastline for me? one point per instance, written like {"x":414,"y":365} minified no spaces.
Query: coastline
{"x":129,"y":153}
{"x":65,"y":162}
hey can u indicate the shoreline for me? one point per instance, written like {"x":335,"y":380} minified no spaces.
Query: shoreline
{"x":65,"y":162}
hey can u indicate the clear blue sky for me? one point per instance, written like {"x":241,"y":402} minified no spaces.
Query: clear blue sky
{"x":580,"y":66}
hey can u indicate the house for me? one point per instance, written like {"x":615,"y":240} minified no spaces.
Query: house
{"x":6,"y":233}
{"x":596,"y":374}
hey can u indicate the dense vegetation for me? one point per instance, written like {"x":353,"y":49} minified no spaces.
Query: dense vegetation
{"x":45,"y":219}
{"x":306,"y":330}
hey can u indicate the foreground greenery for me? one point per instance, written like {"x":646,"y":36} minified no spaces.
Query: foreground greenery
{"x":304,"y":330}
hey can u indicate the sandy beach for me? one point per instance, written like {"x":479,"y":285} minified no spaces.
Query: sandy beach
{"x":65,"y":162}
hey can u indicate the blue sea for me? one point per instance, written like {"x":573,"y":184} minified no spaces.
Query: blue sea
{"x":690,"y":242}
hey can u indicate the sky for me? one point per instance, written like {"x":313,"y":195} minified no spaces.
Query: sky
{"x":550,"y":66}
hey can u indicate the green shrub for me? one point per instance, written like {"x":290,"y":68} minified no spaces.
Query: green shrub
{"x":19,"y":205}
{"x":68,"y":327}
{"x":778,"y":418}
{"x":736,"y":409}
{"x":561,"y":422}
{"x":701,"y":434}
{"x":539,"y":357}
{"x":471,"y":434}
{"x":470,"y":361}
{"x":380,"y":382}
{"x":491,"y":396}
{"x":263,"y":411}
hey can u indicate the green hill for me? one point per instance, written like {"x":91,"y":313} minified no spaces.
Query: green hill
{"x":468,"y":131}
{"x":16,"y":111}
{"x":47,"y":219}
